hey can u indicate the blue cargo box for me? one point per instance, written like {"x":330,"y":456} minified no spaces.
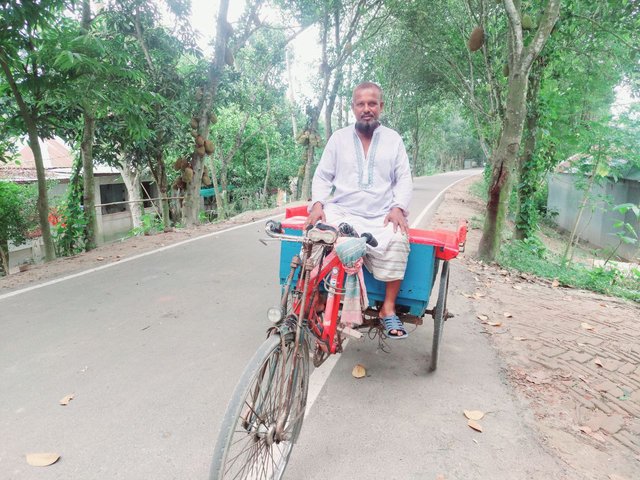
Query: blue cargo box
{"x":416,"y":287}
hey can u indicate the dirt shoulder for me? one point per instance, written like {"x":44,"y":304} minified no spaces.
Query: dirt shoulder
{"x":572,"y":357}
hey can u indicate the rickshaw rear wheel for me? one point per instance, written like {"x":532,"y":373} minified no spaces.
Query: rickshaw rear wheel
{"x":439,"y":316}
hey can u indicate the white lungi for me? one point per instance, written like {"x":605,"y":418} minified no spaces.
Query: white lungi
{"x":387,"y":261}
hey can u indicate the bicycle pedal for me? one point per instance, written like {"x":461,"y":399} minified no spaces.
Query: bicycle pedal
{"x":350,"y":332}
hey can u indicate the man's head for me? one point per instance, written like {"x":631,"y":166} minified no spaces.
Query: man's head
{"x":367,"y":105}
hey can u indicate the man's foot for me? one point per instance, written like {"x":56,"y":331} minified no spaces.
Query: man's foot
{"x":393,"y":327}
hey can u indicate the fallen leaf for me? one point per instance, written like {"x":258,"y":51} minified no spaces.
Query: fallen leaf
{"x":507,"y":315}
{"x":495,"y":324}
{"x":467,"y":295}
{"x":614,"y":476}
{"x":359,"y":371}
{"x":517,"y":287}
{"x":100,"y":259}
{"x":555,"y":283}
{"x":625,"y":395}
{"x":520,"y":339}
{"x":586,"y":326}
{"x":484,"y":318}
{"x":475,"y":425}
{"x":478,"y":295}
{"x":474,"y":414}
{"x":42,"y":459}
{"x":598,"y":362}
{"x":65,"y":400}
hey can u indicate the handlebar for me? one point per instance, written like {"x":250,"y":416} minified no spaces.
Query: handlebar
{"x":274,"y":230}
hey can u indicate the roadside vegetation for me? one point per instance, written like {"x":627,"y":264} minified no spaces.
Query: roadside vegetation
{"x":593,"y":269}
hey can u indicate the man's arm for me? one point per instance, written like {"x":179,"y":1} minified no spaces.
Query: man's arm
{"x":316,"y":213}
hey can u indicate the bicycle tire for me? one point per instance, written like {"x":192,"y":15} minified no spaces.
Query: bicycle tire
{"x":246,"y":446}
{"x":439,"y":316}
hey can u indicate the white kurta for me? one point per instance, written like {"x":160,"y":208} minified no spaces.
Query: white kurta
{"x":362,"y":189}
{"x":365,"y":186}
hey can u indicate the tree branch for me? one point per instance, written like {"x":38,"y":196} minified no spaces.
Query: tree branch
{"x":599,"y":25}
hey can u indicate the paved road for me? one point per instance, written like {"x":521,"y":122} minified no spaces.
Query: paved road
{"x":153,"y":347}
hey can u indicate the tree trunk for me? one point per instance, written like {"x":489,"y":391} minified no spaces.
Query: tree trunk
{"x":86,"y":153}
{"x":291,"y":95}
{"x":567,"y":255}
{"x":416,"y":142}
{"x":88,"y":192}
{"x":4,"y":256}
{"x":331,"y":102}
{"x":29,"y":119}
{"x":216,"y":188}
{"x":528,"y":174}
{"x":191,"y":204}
{"x":131,"y":176}
{"x":265,"y":192}
{"x":159,"y":171}
{"x":503,"y":165}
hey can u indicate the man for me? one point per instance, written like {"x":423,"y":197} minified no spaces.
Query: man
{"x":364,"y":179}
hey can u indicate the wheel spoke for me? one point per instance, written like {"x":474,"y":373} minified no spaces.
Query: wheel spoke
{"x":253,"y":446}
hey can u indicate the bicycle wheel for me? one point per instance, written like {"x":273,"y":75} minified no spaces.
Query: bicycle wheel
{"x":258,"y":429}
{"x":439,"y":316}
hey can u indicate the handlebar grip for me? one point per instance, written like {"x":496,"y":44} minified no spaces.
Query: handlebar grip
{"x":347,"y":230}
{"x":371,"y":240}
{"x":274,"y":227}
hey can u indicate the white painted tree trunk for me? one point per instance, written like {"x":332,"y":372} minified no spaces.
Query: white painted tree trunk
{"x":131,"y":176}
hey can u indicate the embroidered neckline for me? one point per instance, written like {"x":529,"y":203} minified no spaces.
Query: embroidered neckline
{"x":362,"y":185}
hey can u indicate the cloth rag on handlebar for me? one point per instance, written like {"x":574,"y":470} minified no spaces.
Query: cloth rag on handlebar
{"x":350,"y":251}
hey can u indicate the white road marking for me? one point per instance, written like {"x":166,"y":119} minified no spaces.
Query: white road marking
{"x":426,"y":209}
{"x":129,"y":259}
{"x":319,"y":377}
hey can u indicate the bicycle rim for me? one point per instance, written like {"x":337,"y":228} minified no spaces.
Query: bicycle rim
{"x":248,"y":446}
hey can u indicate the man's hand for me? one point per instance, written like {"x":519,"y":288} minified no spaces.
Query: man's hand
{"x":316,"y":214}
{"x":396,"y":216}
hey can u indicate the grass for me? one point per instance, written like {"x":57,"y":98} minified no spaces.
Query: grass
{"x":531,"y":256}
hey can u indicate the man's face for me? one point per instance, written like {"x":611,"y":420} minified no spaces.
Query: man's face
{"x":367,"y":106}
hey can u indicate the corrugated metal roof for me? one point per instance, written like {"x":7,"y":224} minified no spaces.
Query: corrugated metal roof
{"x":27,"y":175}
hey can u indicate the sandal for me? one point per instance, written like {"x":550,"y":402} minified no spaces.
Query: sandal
{"x":392,"y":322}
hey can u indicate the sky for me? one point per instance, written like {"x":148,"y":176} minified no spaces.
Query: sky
{"x":306,"y":49}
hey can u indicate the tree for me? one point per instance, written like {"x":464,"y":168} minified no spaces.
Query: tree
{"x":28,"y":32}
{"x":521,"y":60}
{"x":590,"y":52}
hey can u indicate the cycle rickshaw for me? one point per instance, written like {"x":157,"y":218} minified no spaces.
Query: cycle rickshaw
{"x":265,"y":414}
